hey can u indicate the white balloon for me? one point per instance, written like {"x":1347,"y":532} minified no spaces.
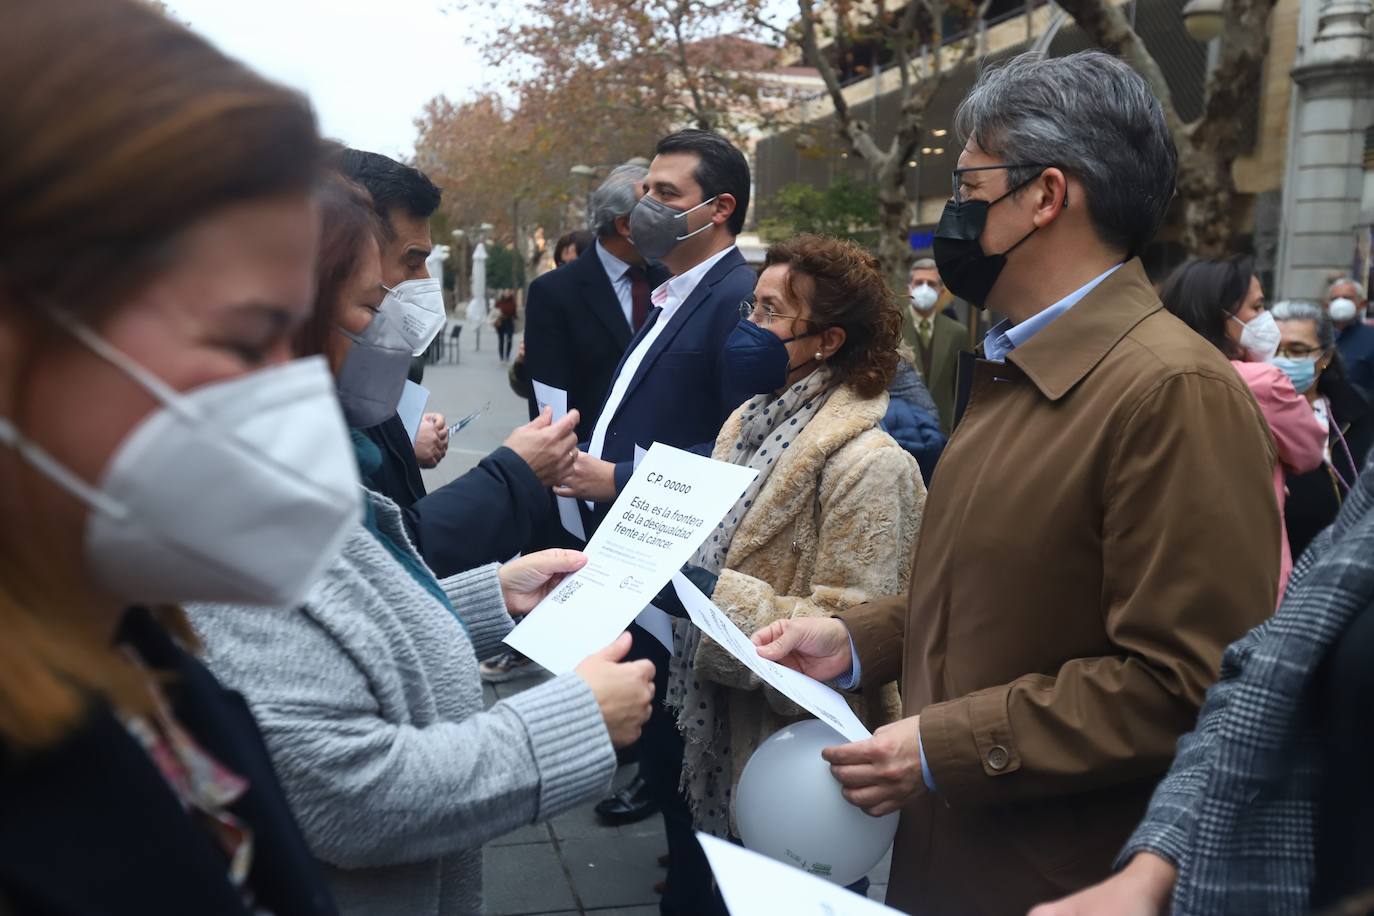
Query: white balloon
{"x":788,"y":807}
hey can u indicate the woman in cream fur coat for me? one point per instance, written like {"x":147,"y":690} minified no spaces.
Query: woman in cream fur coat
{"x":831,"y":519}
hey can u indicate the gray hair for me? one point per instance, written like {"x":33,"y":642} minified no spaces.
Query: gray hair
{"x":1090,"y":115}
{"x":615,"y":198}
{"x":925,"y":264}
{"x":1343,"y":281}
{"x":1306,"y":310}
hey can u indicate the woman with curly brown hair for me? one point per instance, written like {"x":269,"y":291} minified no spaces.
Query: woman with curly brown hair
{"x":830,"y":520}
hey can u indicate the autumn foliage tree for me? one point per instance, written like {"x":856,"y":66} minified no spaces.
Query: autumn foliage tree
{"x":510,"y":163}
{"x":587,"y":82}
{"x":672,"y":62}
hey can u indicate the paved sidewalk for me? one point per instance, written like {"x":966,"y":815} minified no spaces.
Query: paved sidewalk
{"x":575,"y":865}
{"x":458,"y":389}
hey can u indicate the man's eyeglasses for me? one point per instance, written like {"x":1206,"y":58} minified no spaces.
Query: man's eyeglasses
{"x":763,"y":314}
{"x":957,"y":174}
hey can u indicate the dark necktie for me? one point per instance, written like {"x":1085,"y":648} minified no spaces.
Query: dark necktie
{"x":639,"y":297}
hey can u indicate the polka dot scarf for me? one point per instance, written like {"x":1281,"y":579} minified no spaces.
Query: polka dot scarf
{"x":769,"y":425}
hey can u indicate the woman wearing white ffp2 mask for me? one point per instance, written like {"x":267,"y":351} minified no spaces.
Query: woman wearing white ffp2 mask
{"x":1224,"y":302}
{"x":157,"y":445}
{"x":369,"y":693}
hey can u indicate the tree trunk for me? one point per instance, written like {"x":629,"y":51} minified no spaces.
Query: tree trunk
{"x":1208,"y":193}
{"x":1208,"y":146}
{"x":894,"y":222}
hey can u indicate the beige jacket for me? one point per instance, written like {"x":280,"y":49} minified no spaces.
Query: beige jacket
{"x":833,"y":527}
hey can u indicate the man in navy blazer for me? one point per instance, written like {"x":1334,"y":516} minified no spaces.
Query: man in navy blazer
{"x":670,"y":387}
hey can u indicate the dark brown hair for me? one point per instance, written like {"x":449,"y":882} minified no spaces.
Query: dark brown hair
{"x":120,"y":129}
{"x":580,"y":239}
{"x":1206,"y":293}
{"x":347,"y":220}
{"x":843,"y":287}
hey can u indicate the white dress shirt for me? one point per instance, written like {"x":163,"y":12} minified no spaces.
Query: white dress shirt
{"x":619,"y":274}
{"x":669,"y":298}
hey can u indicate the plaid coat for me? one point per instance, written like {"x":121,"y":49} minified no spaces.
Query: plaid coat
{"x":1237,"y":812}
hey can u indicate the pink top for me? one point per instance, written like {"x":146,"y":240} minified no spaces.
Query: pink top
{"x":1300,"y":437}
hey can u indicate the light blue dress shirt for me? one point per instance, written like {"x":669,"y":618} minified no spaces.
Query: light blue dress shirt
{"x":1005,"y":336}
{"x":1001,"y":340}
{"x":618,"y":272}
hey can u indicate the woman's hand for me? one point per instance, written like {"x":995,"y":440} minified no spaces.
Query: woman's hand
{"x":623,"y":690}
{"x":526,"y":581}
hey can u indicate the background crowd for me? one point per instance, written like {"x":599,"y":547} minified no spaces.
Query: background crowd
{"x":1100,"y":586}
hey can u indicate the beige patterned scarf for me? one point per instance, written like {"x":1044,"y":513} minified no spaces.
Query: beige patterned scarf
{"x":769,"y":425}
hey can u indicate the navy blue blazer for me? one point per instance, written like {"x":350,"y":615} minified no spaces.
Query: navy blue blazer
{"x":90,"y":826}
{"x":678,"y":396}
{"x":576,"y":334}
{"x":487,"y":515}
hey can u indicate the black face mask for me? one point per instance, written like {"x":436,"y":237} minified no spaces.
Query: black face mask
{"x":968,"y":272}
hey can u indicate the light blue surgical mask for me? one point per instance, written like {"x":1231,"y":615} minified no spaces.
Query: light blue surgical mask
{"x":1302,"y":372}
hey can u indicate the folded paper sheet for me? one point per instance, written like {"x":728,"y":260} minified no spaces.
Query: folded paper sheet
{"x":568,"y":513}
{"x":755,"y":885}
{"x":816,"y":698}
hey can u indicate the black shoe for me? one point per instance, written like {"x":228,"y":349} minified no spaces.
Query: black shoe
{"x":628,"y":806}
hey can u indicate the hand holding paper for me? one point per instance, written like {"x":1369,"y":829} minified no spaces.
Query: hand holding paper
{"x":556,"y":400}
{"x":527,"y":580}
{"x":818,"y":647}
{"x":671,"y":504}
{"x":813,"y":696}
{"x":548,"y":446}
{"x":624,"y":690}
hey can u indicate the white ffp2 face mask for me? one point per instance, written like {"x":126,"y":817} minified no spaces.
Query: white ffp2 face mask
{"x":1343,"y":309}
{"x":240,"y":491}
{"x":924,"y":297}
{"x":416,"y":308}
{"x":1260,"y":336}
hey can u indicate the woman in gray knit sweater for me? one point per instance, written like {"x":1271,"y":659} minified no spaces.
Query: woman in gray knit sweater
{"x":368,"y":694}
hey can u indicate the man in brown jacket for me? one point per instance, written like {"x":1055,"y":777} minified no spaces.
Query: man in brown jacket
{"x":1101,"y":526}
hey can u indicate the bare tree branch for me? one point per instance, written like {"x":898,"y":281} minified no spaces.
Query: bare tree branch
{"x":1107,"y":26}
{"x":1208,"y":146}
{"x":856,"y":133}
{"x":703,"y":120}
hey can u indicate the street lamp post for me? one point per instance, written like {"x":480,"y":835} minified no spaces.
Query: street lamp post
{"x":1204,"y":20}
{"x":460,"y":266}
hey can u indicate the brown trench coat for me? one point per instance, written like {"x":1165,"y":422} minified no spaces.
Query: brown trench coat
{"x":1101,"y":525}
